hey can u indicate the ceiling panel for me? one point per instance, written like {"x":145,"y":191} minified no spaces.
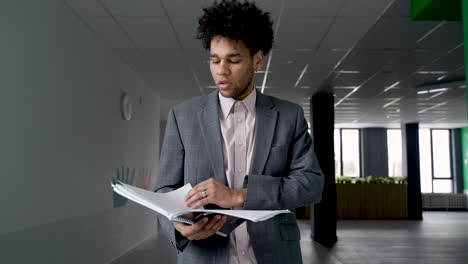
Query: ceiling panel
{"x":316,"y":8}
{"x":186,"y":9}
{"x":397,"y":33}
{"x":346,"y":32}
{"x":135,"y":60}
{"x":110,"y":32}
{"x":399,"y":8}
{"x":310,"y":30}
{"x":149,"y":32}
{"x":364,"y":8}
{"x":442,"y":36}
{"x":90,"y":8}
{"x":133,"y":8}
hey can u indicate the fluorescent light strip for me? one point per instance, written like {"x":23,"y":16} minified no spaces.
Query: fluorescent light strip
{"x":391,"y":86}
{"x":349,"y":72}
{"x":392,"y":102}
{"x":348,"y":95}
{"x":435,"y":95}
{"x":456,"y":47}
{"x":432,"y":72}
{"x":438,"y":90}
{"x":301,"y":75}
{"x":431,"y":31}
{"x":345,"y":87}
{"x":267,"y":70}
{"x":433,"y":90}
{"x":438,"y":120}
{"x":441,"y":77}
{"x":432,"y":107}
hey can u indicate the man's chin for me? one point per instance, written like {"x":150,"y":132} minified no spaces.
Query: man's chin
{"x":226,"y":94}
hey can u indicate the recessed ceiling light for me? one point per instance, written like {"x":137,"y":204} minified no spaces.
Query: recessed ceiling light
{"x":432,"y":107}
{"x":349,"y":72}
{"x":391,"y":86}
{"x":392,"y":102}
{"x":345,"y":87}
{"x":435,"y":95}
{"x":438,"y":90}
{"x":432,"y":72}
{"x":301,"y":75}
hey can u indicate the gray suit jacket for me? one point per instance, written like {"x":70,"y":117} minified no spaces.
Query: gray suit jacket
{"x":284,"y":174}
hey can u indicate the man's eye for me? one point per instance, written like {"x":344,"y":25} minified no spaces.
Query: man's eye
{"x":235,"y":61}
{"x":214,"y":62}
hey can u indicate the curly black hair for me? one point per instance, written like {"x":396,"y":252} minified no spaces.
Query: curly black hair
{"x":238,"y":21}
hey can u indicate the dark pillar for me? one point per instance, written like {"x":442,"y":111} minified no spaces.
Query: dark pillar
{"x":410,"y":133}
{"x":374,"y":161}
{"x":456,"y":150}
{"x":323,"y":122}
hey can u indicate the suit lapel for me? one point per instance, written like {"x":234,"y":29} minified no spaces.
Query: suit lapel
{"x":265,"y":124}
{"x":209,"y":124}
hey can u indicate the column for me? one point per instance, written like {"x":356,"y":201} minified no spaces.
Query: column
{"x":323,"y":123}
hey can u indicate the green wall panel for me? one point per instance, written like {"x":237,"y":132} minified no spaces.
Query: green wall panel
{"x":436,"y":10}
{"x":464,"y":155}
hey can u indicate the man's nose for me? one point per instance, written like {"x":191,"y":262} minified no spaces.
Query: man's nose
{"x":223,"y":68}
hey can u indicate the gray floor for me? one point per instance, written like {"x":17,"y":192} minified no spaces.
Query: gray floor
{"x":442,"y":237}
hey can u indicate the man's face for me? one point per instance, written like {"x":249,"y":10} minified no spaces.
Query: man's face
{"x":232,"y":67}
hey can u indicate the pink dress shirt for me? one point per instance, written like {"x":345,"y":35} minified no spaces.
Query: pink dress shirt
{"x":237,"y":121}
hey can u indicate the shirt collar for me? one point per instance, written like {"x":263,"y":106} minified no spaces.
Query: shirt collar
{"x":227,"y":103}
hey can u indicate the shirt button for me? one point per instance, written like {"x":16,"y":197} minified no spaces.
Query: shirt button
{"x":238,"y":119}
{"x":239,"y":142}
{"x":243,"y":253}
{"x":239,"y":170}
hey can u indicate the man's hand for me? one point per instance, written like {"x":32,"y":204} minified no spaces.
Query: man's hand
{"x":202,"y":229}
{"x":212,"y":191}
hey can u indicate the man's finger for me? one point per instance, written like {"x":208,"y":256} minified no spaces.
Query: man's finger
{"x":201,"y":203}
{"x":211,"y":223}
{"x":196,"y":198}
{"x":202,"y":186}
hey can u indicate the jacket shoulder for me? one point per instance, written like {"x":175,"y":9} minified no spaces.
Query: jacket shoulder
{"x":284,"y":105}
{"x":192,"y":105}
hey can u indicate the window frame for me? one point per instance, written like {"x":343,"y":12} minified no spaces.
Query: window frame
{"x":340,"y":130}
{"x":450,"y":158}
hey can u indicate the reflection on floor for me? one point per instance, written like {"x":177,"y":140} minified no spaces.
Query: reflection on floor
{"x":442,"y":237}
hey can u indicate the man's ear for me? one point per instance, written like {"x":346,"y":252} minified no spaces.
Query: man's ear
{"x":258,"y":59}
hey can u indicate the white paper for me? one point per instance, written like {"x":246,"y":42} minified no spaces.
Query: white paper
{"x":171,"y":204}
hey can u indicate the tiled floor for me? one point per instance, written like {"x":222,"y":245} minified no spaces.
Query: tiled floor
{"x":442,"y":237}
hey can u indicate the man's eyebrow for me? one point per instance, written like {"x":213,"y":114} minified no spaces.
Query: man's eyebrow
{"x":213,"y":55}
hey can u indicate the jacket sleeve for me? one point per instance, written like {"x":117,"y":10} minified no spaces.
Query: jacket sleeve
{"x":171,"y":175}
{"x":302,"y":183}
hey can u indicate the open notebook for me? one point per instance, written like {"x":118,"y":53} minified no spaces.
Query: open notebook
{"x":171,"y":205}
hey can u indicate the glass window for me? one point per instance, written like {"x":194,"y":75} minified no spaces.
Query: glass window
{"x":337,"y":145}
{"x":425,"y":160}
{"x":441,"y":153}
{"x":394,"y":145}
{"x":434,"y":156}
{"x":442,"y":186}
{"x":350,"y":148}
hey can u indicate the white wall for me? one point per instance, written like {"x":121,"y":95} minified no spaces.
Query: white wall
{"x":62,"y":139}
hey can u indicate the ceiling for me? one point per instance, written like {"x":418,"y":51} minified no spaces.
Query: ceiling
{"x":384,"y":68}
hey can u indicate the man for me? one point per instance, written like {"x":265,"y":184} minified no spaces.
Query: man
{"x":239,"y":149}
